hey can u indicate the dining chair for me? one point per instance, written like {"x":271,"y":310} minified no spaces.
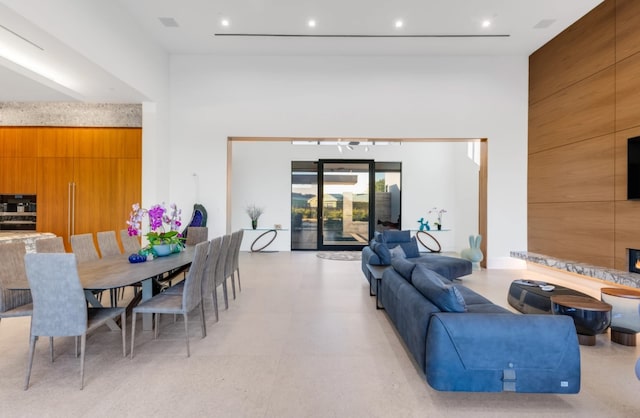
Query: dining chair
{"x":50,"y":245}
{"x":236,"y":256}
{"x":229,"y":260}
{"x":220,"y":277}
{"x":59,"y":305}
{"x":13,"y":303}
{"x":209,"y":287}
{"x":178,"y":303}
{"x":84,"y":248}
{"x":108,"y":244}
{"x":130,"y":243}
{"x":197,"y":234}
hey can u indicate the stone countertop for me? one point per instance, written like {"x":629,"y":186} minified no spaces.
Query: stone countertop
{"x":623,"y":278}
{"x":29,"y":238}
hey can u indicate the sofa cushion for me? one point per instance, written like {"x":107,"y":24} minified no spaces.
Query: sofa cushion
{"x":445,"y":296}
{"x":397,"y":252}
{"x":393,"y":238}
{"x":410,"y":248}
{"x":403,"y":267}
{"x":383,"y":253}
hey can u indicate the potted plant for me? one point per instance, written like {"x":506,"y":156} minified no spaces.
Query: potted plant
{"x":438,"y":212}
{"x":254,"y":213}
{"x":161,"y":241}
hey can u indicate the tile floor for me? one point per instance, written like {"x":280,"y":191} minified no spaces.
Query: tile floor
{"x":303,"y":339}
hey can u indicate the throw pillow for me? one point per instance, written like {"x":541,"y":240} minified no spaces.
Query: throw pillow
{"x":445,"y":296}
{"x":404,"y":267}
{"x":411,"y":248}
{"x":397,"y":252}
{"x":394,"y":237}
{"x":383,"y":253}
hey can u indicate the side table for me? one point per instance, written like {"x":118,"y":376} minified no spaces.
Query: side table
{"x":590,"y":316}
{"x":375,"y":274}
{"x":625,"y":313}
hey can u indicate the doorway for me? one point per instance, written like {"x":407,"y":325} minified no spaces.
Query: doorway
{"x":337,"y":204}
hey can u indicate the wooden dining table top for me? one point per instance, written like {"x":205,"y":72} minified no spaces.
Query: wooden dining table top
{"x":117,"y":271}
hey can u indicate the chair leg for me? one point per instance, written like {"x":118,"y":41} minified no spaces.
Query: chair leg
{"x":157,"y":326}
{"x":83,"y":344}
{"x":239,"y":286}
{"x":214,"y":296}
{"x":226,"y":296}
{"x":50,"y":347}
{"x":32,"y":348}
{"x":123,"y":326}
{"x":233,"y":285}
{"x":204,"y":325}
{"x":133,"y":332}
{"x":186,"y":332}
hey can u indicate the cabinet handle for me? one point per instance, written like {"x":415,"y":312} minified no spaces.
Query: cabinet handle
{"x":69,"y":210}
{"x":73,"y":208}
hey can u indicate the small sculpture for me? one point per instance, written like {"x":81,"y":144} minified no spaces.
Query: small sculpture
{"x":474,"y":253}
{"x":424,"y":226}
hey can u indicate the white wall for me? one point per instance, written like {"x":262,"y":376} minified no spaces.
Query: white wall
{"x":213,"y":98}
{"x":432,"y":175}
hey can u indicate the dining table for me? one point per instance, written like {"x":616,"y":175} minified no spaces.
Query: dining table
{"x":113,"y":272}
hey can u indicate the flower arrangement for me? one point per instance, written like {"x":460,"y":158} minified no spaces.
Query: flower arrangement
{"x":438,"y":212}
{"x":159,"y":215}
{"x":254,"y":213}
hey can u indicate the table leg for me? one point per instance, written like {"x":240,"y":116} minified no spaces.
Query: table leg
{"x":147,"y":293}
{"x":378,"y":304}
{"x":93,"y":301}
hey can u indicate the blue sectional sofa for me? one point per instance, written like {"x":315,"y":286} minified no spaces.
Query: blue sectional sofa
{"x":464,"y":342}
{"x":391,"y":244}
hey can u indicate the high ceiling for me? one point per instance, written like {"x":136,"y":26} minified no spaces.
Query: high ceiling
{"x":198,"y":20}
{"x":279,"y":27}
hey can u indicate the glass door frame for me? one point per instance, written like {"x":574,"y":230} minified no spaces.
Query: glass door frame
{"x":321,"y":246}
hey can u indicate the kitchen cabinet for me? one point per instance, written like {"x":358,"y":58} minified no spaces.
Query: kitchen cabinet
{"x":17,"y":162}
{"x":87,"y":179}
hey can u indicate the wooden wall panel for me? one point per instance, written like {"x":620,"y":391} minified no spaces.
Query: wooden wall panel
{"x":54,"y":142}
{"x":108,"y":142}
{"x":627,"y":231}
{"x":18,"y":175}
{"x":628,"y":92}
{"x":573,"y":231}
{"x":583,"y":171}
{"x":621,"y":161}
{"x":584,"y":110}
{"x":16,"y":142}
{"x":580,"y":51}
{"x":627,"y":24}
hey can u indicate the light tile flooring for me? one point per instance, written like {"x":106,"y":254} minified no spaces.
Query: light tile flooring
{"x":303,"y":339}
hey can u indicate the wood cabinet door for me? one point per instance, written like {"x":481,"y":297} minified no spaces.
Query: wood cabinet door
{"x":54,"y":194}
{"x":17,"y":160}
{"x":105,"y":189}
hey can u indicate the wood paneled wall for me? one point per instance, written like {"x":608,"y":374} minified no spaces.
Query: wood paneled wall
{"x":584,"y":87}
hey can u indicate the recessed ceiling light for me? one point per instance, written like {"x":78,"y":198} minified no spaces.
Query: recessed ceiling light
{"x":225,"y":22}
{"x":398,"y":23}
{"x":486,"y":23}
{"x":311,"y":23}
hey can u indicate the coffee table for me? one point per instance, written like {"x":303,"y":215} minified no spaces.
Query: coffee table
{"x":590,"y":316}
{"x":530,"y":296}
{"x":625,"y":313}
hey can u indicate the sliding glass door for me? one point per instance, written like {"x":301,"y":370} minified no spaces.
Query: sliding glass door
{"x":345,"y":206}
{"x":338,"y":204}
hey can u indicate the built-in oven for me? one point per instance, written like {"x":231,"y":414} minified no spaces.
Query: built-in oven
{"x":18,"y":212}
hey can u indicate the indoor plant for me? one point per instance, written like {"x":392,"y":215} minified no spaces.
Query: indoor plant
{"x":438,"y":212}
{"x":254,"y":213}
{"x":161,"y":241}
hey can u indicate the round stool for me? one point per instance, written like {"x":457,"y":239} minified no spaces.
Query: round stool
{"x":590,"y":316}
{"x":625,"y":313}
